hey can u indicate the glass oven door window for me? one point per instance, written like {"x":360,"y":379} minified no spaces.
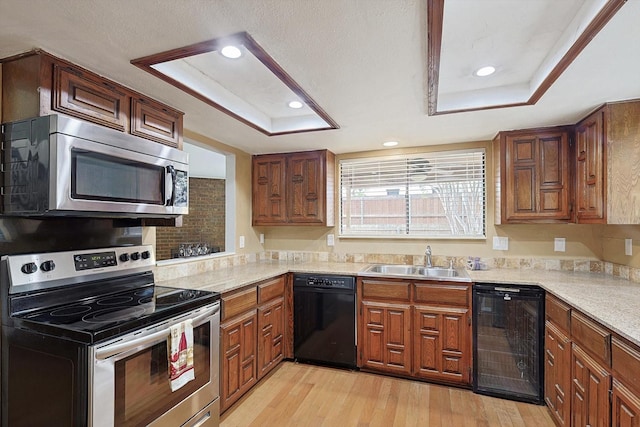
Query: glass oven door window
{"x":96,"y":176}
{"x":142,"y":389}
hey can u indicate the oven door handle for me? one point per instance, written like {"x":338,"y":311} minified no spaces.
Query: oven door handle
{"x":144,"y":341}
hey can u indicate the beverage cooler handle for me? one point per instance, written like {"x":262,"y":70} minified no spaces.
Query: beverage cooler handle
{"x":170,"y":189}
{"x":111,"y":350}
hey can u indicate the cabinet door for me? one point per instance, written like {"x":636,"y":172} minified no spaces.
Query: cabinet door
{"x":590,"y":169}
{"x":625,"y":406}
{"x":557,"y":378}
{"x":386,"y":344}
{"x":154,"y":121}
{"x":270,"y":328}
{"x":441,"y":337}
{"x":537,"y":176}
{"x":238,"y":353}
{"x":305,"y":178}
{"x":589,"y":391}
{"x":268,"y":187}
{"x":85,"y":96}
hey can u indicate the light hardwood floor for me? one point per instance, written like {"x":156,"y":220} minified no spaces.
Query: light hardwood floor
{"x":304,"y":396}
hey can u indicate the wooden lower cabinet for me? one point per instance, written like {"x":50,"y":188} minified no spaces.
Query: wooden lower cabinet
{"x":590,"y":387}
{"x":625,"y":406}
{"x":238,"y":351}
{"x":270,"y":335}
{"x":386,"y":344}
{"x":557,"y":383}
{"x":441,"y":344}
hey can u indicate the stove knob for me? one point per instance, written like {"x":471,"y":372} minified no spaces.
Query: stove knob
{"x":135,"y":256}
{"x":124,"y":257}
{"x":146,"y":255}
{"x":29,"y":268}
{"x":48,"y":266}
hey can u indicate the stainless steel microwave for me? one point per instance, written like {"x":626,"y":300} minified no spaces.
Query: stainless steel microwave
{"x":56,"y":165}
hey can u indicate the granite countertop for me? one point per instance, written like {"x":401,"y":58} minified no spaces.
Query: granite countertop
{"x":612,"y":301}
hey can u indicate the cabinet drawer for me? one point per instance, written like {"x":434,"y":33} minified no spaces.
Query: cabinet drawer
{"x":625,"y":361}
{"x":591,"y":337}
{"x":77,"y":94}
{"x":238,"y":302}
{"x":443,"y":293}
{"x":270,"y":289}
{"x":385,"y":290}
{"x":558,"y":312}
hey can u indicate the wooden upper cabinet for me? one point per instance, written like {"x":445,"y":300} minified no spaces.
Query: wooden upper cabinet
{"x":294,"y":188}
{"x":607,"y":157}
{"x":268,"y":188}
{"x":38,"y":84}
{"x":590,"y":169}
{"x":88,"y":97}
{"x":533,"y":176}
{"x":155,"y":121}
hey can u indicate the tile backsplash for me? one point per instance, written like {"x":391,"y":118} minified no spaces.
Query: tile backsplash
{"x":198,"y":266}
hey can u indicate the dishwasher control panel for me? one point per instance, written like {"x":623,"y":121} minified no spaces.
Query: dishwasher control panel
{"x":324,"y":281}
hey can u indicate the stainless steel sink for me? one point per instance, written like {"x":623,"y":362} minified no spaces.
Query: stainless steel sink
{"x":416,"y":271}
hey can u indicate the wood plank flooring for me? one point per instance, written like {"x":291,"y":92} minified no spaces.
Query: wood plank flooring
{"x":306,"y":396}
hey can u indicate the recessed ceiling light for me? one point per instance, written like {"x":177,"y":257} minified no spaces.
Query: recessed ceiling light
{"x":231,"y":52}
{"x":295,"y":104}
{"x":390,"y":143}
{"x":485,"y":71}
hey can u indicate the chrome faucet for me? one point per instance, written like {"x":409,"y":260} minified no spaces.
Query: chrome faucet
{"x":428,"y":263}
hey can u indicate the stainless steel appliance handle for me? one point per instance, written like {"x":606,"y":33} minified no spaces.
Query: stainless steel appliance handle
{"x":111,"y":350}
{"x":170,"y":190}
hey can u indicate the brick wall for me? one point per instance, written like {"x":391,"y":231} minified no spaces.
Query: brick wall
{"x":205,"y":222}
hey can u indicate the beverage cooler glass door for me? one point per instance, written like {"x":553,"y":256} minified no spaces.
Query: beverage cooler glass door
{"x":509,"y":342}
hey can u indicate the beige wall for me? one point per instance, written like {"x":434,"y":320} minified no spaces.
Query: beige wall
{"x":243,"y":195}
{"x":582,"y":241}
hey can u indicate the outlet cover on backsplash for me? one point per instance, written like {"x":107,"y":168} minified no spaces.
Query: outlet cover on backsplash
{"x":500,"y":243}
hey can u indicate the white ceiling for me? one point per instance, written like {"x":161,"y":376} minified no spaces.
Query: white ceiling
{"x":362,"y":61}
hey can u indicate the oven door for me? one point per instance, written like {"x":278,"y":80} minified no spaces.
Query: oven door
{"x":129,"y":382}
{"x":90,"y":176}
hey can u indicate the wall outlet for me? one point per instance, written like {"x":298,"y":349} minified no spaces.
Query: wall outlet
{"x":262,"y":238}
{"x":241,"y":242}
{"x":331,"y":240}
{"x":559,"y":244}
{"x":628,"y":247}
{"x":500,"y":243}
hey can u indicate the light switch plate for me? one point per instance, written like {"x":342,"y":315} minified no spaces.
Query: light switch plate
{"x":559,"y":244}
{"x":500,"y":243}
{"x":628,"y":247}
{"x":331,"y":240}
{"x":262,"y":238}
{"x":241,"y":242}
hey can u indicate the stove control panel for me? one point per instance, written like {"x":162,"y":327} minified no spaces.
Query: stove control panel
{"x":37,"y":271}
{"x":95,"y":260}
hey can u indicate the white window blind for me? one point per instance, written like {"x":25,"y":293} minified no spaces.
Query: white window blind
{"x":434,"y":194}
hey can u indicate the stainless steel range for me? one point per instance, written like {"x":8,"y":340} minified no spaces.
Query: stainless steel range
{"x":85,"y":342}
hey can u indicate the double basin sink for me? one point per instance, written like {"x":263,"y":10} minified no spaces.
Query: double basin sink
{"x":416,"y":272}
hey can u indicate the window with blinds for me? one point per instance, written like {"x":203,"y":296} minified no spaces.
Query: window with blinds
{"x":433,"y":194}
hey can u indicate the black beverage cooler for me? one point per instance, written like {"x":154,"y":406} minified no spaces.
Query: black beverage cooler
{"x":508,"y":351}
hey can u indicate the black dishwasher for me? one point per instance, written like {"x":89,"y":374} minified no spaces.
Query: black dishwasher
{"x":508,"y":350}
{"x":324,"y":319}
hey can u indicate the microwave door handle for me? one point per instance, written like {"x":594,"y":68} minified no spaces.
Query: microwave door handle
{"x":170,"y":190}
{"x":112,"y":350}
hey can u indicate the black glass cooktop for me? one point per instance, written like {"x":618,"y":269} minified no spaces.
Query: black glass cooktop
{"x":94,"y":319}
